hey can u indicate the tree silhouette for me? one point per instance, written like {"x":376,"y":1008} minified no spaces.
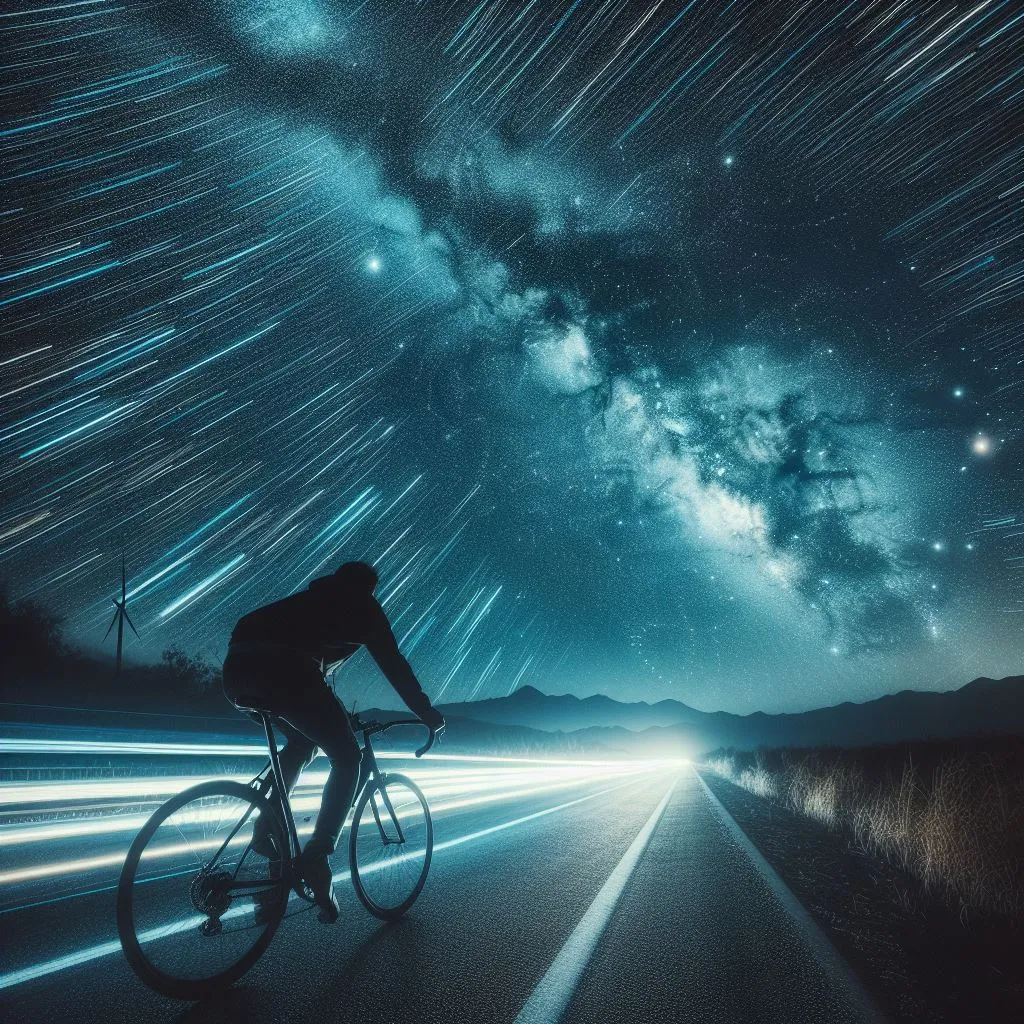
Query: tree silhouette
{"x":30,"y":634}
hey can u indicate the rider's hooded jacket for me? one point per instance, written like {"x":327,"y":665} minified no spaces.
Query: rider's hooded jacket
{"x":328,"y":623}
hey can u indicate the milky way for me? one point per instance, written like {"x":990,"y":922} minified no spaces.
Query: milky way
{"x":659,"y":349}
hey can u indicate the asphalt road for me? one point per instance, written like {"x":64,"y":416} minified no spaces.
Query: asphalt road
{"x":609,"y":897}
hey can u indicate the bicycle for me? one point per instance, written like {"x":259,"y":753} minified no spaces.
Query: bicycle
{"x":224,"y":909}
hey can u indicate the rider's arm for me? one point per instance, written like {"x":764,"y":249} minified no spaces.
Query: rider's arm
{"x":382,"y":644}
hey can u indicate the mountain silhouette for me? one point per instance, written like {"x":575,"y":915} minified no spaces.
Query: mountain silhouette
{"x":980,"y":708}
{"x":530,"y":707}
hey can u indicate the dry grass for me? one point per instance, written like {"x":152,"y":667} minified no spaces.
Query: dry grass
{"x":950,"y":814}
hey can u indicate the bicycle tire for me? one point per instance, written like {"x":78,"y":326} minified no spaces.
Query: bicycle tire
{"x":153,"y":976}
{"x":359,"y":822}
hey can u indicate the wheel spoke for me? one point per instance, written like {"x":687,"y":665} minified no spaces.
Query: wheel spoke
{"x":388,"y":873}
{"x":183,"y":927}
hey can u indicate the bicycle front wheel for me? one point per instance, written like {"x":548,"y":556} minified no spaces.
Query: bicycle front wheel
{"x":390,"y":845}
{"x":196,"y":906}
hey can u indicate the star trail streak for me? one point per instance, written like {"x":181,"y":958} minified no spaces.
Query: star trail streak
{"x":643,"y":346}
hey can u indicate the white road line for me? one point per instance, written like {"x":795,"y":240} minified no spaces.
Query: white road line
{"x":551,"y":997}
{"x":831,"y":961}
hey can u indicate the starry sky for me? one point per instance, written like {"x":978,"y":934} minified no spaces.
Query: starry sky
{"x":648,"y":347}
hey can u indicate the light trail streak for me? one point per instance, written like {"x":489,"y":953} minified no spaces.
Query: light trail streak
{"x":81,"y":865}
{"x":103,"y":949}
{"x":41,"y":793}
{"x":18,"y":745}
{"x":504,"y":786}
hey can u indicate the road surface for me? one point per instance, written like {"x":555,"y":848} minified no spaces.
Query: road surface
{"x":590,"y":894}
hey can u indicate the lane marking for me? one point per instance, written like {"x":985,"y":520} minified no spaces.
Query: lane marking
{"x":102,"y":949}
{"x":550,"y":999}
{"x":829,"y":958}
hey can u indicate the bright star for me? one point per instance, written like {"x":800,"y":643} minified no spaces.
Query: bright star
{"x":981,"y":445}
{"x":729,"y":160}
{"x":373,"y":265}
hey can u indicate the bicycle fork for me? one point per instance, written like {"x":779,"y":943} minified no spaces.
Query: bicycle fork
{"x":385,"y":838}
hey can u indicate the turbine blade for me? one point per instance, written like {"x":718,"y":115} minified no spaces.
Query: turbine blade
{"x":111,"y":626}
{"x":128,"y":619}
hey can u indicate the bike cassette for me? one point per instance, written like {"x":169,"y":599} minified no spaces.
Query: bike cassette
{"x":211,"y":895}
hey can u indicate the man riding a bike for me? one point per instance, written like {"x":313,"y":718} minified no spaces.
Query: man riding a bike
{"x":277,"y":660}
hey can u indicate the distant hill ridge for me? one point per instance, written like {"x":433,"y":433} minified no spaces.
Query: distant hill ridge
{"x":982,"y":707}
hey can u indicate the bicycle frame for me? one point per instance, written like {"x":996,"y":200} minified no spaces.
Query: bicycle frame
{"x":210,"y":889}
{"x":368,"y":772}
{"x":275,"y":779}
{"x":270,"y":779}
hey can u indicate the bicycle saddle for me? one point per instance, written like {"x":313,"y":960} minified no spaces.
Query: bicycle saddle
{"x":261,"y":705}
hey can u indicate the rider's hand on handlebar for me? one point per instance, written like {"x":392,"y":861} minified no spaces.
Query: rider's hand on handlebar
{"x":433,"y":719}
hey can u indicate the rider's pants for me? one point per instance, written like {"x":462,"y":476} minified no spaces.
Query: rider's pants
{"x":310,"y":716}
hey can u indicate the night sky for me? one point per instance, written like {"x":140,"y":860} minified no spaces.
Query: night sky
{"x":658,"y":349}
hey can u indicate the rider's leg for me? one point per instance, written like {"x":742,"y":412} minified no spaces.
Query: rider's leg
{"x":322,"y":720}
{"x":296,"y":755}
{"x":273,"y":680}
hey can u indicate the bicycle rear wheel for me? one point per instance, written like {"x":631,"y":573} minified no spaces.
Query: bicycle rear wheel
{"x":196,"y":907}
{"x":390,"y":845}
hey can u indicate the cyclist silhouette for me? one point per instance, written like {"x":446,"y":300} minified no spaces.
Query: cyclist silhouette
{"x":277,"y":660}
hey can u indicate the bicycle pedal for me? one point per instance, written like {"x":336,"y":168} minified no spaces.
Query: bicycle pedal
{"x":328,"y":909}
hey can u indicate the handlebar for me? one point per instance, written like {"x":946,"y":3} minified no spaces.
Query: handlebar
{"x":430,"y":740}
{"x":370,"y":727}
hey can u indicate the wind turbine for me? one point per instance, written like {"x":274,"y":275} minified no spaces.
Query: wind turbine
{"x":120,"y":617}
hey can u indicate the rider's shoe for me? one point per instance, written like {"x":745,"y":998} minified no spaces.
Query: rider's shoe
{"x":263,"y":840}
{"x":316,"y":870}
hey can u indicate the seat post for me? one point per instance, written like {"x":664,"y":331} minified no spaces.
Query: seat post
{"x":279,"y":787}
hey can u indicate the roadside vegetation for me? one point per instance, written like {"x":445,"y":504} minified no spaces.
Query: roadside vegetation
{"x":949,"y":813}
{"x":39,"y":666}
